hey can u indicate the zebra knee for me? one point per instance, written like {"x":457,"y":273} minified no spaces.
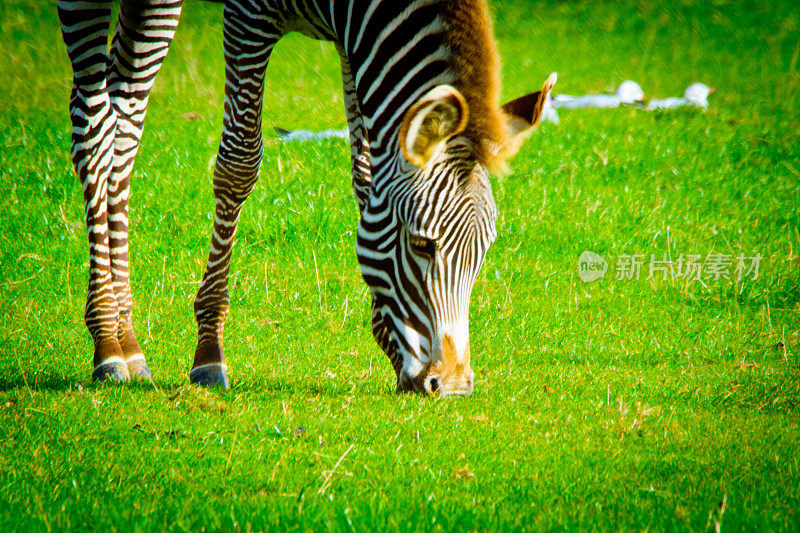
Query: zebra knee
{"x":238,"y":165}
{"x":232,"y":186}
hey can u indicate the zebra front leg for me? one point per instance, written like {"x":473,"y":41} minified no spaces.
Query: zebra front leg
{"x":84,"y":27}
{"x":249,"y":39}
{"x":143,"y":35}
{"x":232,"y":185}
{"x":213,"y":301}
{"x":235,"y":175}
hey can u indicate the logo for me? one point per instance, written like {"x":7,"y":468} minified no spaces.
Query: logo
{"x":714,"y":266}
{"x":591,"y":267}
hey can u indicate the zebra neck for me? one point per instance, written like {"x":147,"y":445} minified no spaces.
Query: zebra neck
{"x":396,"y":51}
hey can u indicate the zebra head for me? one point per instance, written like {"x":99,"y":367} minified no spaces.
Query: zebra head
{"x":424,"y":234}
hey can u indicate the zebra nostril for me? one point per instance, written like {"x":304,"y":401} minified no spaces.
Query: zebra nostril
{"x":432,"y":384}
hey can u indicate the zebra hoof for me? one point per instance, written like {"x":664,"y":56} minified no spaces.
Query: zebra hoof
{"x":210,"y":375}
{"x":138,"y":369}
{"x":114,"y":370}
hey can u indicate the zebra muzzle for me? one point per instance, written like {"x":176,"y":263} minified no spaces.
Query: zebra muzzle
{"x":452,"y":375}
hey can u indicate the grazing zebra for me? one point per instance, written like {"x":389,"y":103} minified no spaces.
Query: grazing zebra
{"x":421,"y":94}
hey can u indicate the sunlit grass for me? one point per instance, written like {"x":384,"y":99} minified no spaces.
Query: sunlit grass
{"x":610,"y":405}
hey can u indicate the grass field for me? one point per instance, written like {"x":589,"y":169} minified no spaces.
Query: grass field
{"x":620,"y":404}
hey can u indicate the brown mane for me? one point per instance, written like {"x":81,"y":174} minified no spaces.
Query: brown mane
{"x":476,"y":67}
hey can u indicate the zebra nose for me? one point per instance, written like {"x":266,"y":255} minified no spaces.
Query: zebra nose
{"x":460,"y":384}
{"x":456,"y":377}
{"x":404,"y":383}
{"x":431,"y":384}
{"x":412,"y":382}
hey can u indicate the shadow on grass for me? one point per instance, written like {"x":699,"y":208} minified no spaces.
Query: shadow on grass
{"x":50,"y":380}
{"x":44,"y":381}
{"x":308,"y":386}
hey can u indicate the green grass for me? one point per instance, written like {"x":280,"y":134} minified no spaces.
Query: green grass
{"x":613,"y":405}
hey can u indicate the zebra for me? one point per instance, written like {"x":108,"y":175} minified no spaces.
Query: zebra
{"x":421,"y":91}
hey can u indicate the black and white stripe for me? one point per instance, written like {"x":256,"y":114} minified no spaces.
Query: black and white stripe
{"x":392,"y":54}
{"x":424,"y":228}
{"x":109,"y":98}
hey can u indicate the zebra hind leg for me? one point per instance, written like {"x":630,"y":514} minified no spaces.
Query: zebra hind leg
{"x":85,"y":30}
{"x":248,"y":43}
{"x":359,"y":140}
{"x":143,"y":35}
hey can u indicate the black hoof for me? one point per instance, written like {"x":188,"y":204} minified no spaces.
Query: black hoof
{"x":212,"y":375}
{"x":138,"y":369}
{"x":114,"y":370}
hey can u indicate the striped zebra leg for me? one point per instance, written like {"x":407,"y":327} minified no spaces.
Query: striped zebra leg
{"x":247,"y":52}
{"x":144,"y":32}
{"x":109,"y":95}
{"x":84,"y":26}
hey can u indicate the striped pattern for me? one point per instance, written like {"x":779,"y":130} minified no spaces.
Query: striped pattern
{"x":424,"y":231}
{"x":425,"y":226}
{"x":109,"y":99}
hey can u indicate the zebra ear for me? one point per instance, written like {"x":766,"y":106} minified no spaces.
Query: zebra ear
{"x":526,"y":111}
{"x":438,"y":115}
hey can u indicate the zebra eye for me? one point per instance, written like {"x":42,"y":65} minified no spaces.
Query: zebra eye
{"x":422,"y":246}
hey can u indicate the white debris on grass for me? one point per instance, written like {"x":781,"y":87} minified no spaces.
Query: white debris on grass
{"x":628,"y":93}
{"x":308,"y":135}
{"x":696,"y":95}
{"x":549,"y":114}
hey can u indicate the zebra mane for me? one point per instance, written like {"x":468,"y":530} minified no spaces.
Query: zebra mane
{"x":476,"y":67}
